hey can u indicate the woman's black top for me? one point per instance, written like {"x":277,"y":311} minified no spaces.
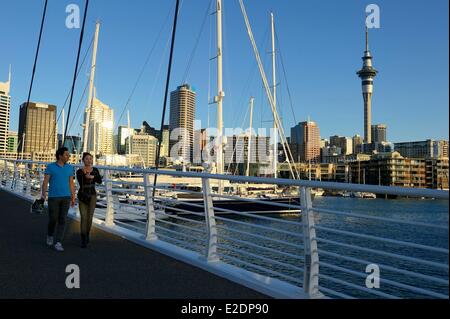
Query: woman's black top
{"x":88,"y":185}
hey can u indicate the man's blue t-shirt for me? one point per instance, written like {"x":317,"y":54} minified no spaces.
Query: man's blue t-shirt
{"x":59,"y":179}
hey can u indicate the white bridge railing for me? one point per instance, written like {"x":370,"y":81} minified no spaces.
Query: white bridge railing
{"x":274,"y":243}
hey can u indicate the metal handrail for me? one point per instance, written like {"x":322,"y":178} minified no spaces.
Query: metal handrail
{"x":389,"y":190}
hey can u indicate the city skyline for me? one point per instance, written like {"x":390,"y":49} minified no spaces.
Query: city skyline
{"x":347,"y":62}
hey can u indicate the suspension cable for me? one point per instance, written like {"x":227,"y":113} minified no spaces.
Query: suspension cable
{"x":158,"y":150}
{"x":194,"y":49}
{"x":149,"y":55}
{"x":285,"y":77}
{"x":35,"y":62}
{"x":76,"y":69}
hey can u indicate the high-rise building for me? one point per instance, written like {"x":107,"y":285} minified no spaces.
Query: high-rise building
{"x":182,"y":113}
{"x":367,"y":74}
{"x":37,"y":128}
{"x":237,"y":152}
{"x":144,"y":146}
{"x":357,"y":141}
{"x":324,"y":143}
{"x":165,"y":141}
{"x":440,"y":149}
{"x":147,"y":129}
{"x":5,"y":109}
{"x":101,"y":124}
{"x":200,"y":143}
{"x":379,"y":133}
{"x":305,"y":142}
{"x":123,"y":133}
{"x":422,"y":149}
{"x":73,"y":143}
{"x":342,"y":142}
{"x":12,"y":142}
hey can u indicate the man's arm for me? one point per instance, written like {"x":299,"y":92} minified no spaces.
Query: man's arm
{"x":72,"y":190}
{"x":45,"y":186}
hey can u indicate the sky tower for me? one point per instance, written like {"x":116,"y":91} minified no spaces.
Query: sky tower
{"x":367,"y":74}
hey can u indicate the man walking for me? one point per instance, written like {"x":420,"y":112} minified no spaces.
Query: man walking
{"x":61,"y":194}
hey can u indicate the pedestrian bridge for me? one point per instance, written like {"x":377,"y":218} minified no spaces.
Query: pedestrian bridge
{"x":185,"y":243}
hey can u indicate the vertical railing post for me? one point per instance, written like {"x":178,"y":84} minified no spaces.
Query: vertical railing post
{"x":27,"y":179}
{"x":150,"y":230}
{"x":311,"y":270}
{"x":109,"y":218}
{"x":211,"y":229}
{"x":15,"y":177}
{"x":3,"y":175}
{"x":41,"y":177}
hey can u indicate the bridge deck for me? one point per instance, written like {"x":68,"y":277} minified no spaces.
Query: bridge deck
{"x":111,"y":267}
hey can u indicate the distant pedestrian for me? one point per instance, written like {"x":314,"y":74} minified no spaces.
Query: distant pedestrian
{"x":61,"y":194}
{"x":87,"y":176}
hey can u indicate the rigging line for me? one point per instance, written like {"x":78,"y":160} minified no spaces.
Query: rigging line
{"x":267,"y":60}
{"x":158,"y":151}
{"x":79,"y":104}
{"x":261,"y":104}
{"x":191,"y":58}
{"x":209,"y":66}
{"x":35,"y":60}
{"x":152,"y":91}
{"x":209,"y":69}
{"x":280,"y":102}
{"x":250,"y":78}
{"x":76,"y":68}
{"x":226,"y":57}
{"x":285,"y":77}
{"x":68,"y":94}
{"x":143,"y":69}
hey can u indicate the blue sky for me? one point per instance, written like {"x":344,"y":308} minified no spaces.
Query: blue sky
{"x":321,"y":43}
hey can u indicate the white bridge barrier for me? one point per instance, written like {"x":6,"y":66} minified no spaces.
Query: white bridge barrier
{"x":275,"y":246}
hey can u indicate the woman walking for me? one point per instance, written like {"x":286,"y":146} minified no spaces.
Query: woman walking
{"x":87,"y":176}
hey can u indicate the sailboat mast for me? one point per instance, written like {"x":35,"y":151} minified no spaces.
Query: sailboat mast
{"x":249,"y":138}
{"x":87,"y":118}
{"x":220,"y":93}
{"x":129,"y":133}
{"x":274,"y":83}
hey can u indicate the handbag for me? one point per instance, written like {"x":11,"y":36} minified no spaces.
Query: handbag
{"x":38,"y":206}
{"x":82,"y":195}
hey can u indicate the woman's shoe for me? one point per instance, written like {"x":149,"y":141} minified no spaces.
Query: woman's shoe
{"x":83,"y":241}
